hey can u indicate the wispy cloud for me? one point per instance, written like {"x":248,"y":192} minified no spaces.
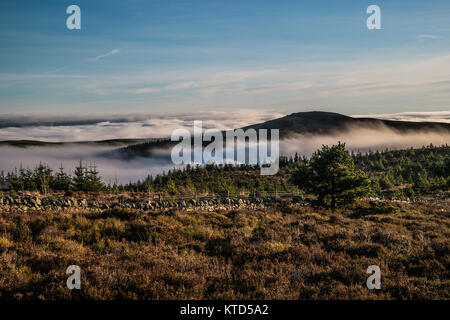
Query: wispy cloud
{"x":358,"y":86}
{"x":423,"y":37}
{"x":358,"y":79}
{"x":29,"y":76}
{"x":220,"y":81}
{"x":110,"y":53}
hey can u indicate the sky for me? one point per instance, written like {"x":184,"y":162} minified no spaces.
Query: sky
{"x":171,"y":56}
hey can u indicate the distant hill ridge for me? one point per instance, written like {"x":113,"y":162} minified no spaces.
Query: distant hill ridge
{"x":37,"y":143}
{"x":314,"y":122}
{"x":325,"y":122}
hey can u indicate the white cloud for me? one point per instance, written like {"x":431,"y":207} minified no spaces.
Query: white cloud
{"x":131,"y":126}
{"x":363,"y":139}
{"x":78,"y":128}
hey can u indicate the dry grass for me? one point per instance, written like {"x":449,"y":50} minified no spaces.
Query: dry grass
{"x":278,"y":253}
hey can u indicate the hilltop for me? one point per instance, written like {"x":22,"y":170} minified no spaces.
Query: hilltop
{"x":325,"y":122}
{"x":314,"y":122}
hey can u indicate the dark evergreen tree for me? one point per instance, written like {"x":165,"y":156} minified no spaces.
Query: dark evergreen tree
{"x":331,"y":176}
{"x":79,"y":177}
{"x":43,"y":178}
{"x":61,"y":180}
{"x":93,"y":179}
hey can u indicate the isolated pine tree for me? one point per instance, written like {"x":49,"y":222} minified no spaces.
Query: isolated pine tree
{"x":332,"y":177}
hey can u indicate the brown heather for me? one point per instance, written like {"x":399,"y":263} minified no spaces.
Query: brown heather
{"x":276,"y":253}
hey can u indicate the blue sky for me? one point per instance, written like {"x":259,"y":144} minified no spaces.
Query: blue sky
{"x":183,"y":56}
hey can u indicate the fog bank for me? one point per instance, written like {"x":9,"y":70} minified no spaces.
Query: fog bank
{"x":124,"y":171}
{"x":363,"y":139}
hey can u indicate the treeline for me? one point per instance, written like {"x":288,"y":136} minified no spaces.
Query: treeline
{"x":398,"y":173}
{"x":211,"y":179}
{"x":402,"y":173}
{"x":43,"y":179}
{"x":408,"y":173}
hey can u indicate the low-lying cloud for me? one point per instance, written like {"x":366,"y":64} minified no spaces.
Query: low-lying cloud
{"x":114,"y":169}
{"x":123,"y":127}
{"x":76,"y":128}
{"x":68,"y":155}
{"x":434,"y":116}
{"x":363,"y":139}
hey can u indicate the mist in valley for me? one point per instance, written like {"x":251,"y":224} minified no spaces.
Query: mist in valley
{"x":123,"y":170}
{"x":360,"y":139}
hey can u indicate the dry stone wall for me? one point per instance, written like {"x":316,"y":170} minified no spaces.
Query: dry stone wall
{"x":26,"y":203}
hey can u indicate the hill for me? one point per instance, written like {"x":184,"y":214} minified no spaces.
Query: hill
{"x":325,"y":122}
{"x":314,"y":122}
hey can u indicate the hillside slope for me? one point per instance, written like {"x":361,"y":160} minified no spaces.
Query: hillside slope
{"x":326,"y":122}
{"x":316,"y":122}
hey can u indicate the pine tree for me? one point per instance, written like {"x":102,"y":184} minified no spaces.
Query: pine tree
{"x":79,"y":178}
{"x":147,"y":185}
{"x":20,"y":178}
{"x":94,"y":182}
{"x":171,"y":187}
{"x":43,"y":178}
{"x":421,"y":184}
{"x":61,"y":180}
{"x":332,"y":177}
